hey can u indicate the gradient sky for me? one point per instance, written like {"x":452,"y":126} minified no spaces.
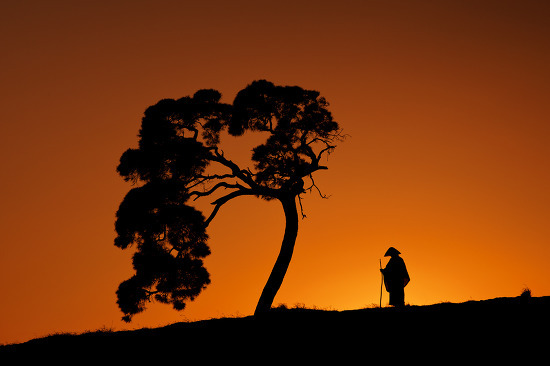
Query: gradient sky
{"x":447,"y":106}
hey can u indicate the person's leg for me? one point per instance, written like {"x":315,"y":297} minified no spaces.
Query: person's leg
{"x":397,"y":297}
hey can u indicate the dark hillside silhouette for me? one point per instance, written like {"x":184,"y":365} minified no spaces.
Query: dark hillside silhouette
{"x":474,"y":332}
{"x":178,"y":144}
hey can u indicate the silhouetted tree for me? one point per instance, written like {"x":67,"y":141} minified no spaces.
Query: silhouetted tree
{"x":178,"y":141}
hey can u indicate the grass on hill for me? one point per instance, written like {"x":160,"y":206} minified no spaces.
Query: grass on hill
{"x":489,"y":328}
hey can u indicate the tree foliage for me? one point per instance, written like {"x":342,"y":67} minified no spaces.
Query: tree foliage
{"x":178,"y":142}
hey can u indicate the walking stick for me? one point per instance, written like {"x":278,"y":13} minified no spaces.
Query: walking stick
{"x":381,"y":282}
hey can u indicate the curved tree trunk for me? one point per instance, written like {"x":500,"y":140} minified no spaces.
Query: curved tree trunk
{"x":283,"y":260}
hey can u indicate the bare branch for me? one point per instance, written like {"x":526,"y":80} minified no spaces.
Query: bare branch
{"x":301,"y":207}
{"x":202,"y":179}
{"x":328,"y":149}
{"x":213,"y":189}
{"x":221,"y":201}
{"x":313,"y":185}
{"x":243,"y":175}
{"x":216,"y":176}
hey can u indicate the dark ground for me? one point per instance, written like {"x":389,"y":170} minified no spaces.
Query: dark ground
{"x":510,"y":330}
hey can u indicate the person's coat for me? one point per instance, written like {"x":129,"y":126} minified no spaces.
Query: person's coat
{"x":396,"y":276}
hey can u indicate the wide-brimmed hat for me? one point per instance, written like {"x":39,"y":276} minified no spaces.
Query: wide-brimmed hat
{"x":391,"y":252}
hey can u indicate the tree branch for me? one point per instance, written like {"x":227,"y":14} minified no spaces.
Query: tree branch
{"x":313,"y":185}
{"x":329,"y":148}
{"x":301,"y":207}
{"x":221,"y":201}
{"x":243,"y":175}
{"x":213,"y":189}
{"x":216,"y":176}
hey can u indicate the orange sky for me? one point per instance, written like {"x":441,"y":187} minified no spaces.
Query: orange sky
{"x":446,"y":103}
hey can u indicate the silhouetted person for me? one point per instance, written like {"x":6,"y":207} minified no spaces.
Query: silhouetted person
{"x":396,"y":277}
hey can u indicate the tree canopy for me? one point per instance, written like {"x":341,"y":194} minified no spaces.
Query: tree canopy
{"x":178,"y":144}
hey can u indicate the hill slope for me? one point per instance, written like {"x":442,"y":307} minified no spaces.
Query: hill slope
{"x":490,"y":330}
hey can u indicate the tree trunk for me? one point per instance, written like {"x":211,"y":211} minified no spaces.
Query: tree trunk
{"x":283,"y":260}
